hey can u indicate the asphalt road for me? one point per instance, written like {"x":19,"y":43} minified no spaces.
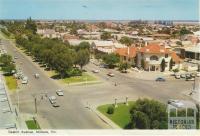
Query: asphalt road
{"x":72,"y":113}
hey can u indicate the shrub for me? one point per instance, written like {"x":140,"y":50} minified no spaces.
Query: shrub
{"x":110,"y":110}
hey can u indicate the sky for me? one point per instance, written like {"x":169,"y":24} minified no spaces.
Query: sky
{"x":100,"y":9}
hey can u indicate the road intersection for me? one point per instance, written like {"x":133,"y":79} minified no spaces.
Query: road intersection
{"x":73,"y":113}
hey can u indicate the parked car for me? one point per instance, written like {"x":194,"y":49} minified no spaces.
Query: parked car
{"x":198,"y":74}
{"x":36,"y":75}
{"x":95,"y":71}
{"x":103,"y":66}
{"x":60,"y":92}
{"x":192,"y":74}
{"x":52,"y":99}
{"x":177,"y":76}
{"x":188,"y":76}
{"x":183,"y":76}
{"x":189,"y":79}
{"x":110,"y":74}
{"x":160,"y":79}
{"x":55,"y":105}
{"x":25,"y":80}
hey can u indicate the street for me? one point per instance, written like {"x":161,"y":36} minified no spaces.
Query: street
{"x":72,"y":113}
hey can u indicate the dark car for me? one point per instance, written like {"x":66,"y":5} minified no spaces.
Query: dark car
{"x":160,"y":79}
{"x":55,"y":105}
{"x":189,"y":79}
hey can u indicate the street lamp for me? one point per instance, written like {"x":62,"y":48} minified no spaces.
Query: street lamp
{"x":35,"y":99}
{"x":127,"y":100}
{"x":116,"y":103}
{"x":35,"y":104}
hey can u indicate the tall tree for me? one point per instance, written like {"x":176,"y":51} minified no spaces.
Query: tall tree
{"x":83,"y":57}
{"x":7,"y":64}
{"x":126,"y":40}
{"x":31,"y":25}
{"x":111,"y":60}
{"x":140,"y":120}
{"x":142,"y":63}
{"x":163,"y":65}
{"x":171,"y":64}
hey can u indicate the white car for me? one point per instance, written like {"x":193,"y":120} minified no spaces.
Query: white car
{"x":110,"y":74}
{"x":198,"y":74}
{"x":52,"y":99}
{"x":177,"y":76}
{"x":60,"y":92}
{"x":183,"y":76}
{"x":95,"y":71}
{"x":36,"y":75}
{"x":24,"y":81}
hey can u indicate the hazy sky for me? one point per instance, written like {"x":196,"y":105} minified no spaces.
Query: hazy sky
{"x":100,"y":9}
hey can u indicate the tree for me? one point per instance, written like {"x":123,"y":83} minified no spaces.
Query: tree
{"x":83,"y":45}
{"x":30,"y":25}
{"x":142,"y":63}
{"x":184,"y":31}
{"x":7,"y":64}
{"x":5,"y":59}
{"x":63,"y":63}
{"x":111,"y":60}
{"x":124,"y":66}
{"x":83,"y":57}
{"x":171,"y":64}
{"x":9,"y":68}
{"x":155,"y":111}
{"x":155,"y":124}
{"x":162,"y":65}
{"x":110,"y":110}
{"x":175,"y":70}
{"x":140,"y":120}
{"x":126,"y":40}
{"x":106,"y":36}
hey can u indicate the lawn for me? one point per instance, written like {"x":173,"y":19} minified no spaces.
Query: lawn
{"x":11,"y":83}
{"x":75,"y":79}
{"x":32,"y":125}
{"x":121,"y":114}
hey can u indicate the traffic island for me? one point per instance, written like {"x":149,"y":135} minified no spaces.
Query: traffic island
{"x":139,"y":114}
{"x":120,"y":115}
{"x":32,"y":124}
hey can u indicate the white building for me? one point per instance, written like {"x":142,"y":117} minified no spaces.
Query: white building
{"x":153,"y":55}
{"x":48,"y":33}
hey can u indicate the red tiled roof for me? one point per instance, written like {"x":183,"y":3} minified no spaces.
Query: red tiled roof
{"x":124,"y":52}
{"x":154,"y":48}
{"x":175,"y":57}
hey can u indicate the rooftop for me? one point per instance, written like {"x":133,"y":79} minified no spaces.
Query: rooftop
{"x":154,"y":48}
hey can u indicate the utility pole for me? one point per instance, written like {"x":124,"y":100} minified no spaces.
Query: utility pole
{"x":35,"y":104}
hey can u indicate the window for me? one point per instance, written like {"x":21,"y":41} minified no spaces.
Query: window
{"x":154,"y":58}
{"x":166,"y":55}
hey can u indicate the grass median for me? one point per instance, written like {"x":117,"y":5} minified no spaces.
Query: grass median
{"x":11,"y":83}
{"x":121,"y":114}
{"x":31,"y":124}
{"x":85,"y":77}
